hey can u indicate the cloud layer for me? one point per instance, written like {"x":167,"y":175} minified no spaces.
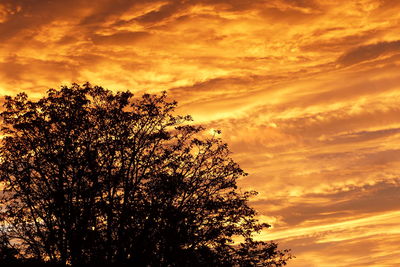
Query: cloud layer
{"x":306,"y":93}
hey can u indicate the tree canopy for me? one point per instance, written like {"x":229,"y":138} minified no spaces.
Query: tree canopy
{"x":90,"y":176}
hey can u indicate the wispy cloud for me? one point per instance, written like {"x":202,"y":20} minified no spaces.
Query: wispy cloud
{"x":369,"y":52}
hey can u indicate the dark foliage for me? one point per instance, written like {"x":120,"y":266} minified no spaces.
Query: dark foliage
{"x":8,"y":254}
{"x":91,"y":176}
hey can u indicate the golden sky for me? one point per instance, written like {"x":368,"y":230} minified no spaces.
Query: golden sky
{"x":306,"y":92}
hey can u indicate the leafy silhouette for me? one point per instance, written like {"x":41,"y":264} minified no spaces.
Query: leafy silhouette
{"x":95,"y":177}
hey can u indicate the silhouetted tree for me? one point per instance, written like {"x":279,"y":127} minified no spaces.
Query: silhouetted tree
{"x":91,"y":176}
{"x":7,"y":251}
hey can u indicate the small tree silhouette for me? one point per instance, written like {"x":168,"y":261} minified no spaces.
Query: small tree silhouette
{"x":91,"y":176}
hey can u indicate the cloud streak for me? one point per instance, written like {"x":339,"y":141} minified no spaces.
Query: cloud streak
{"x":369,"y":52}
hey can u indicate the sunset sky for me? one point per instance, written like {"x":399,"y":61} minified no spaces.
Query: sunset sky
{"x":306,"y":93}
